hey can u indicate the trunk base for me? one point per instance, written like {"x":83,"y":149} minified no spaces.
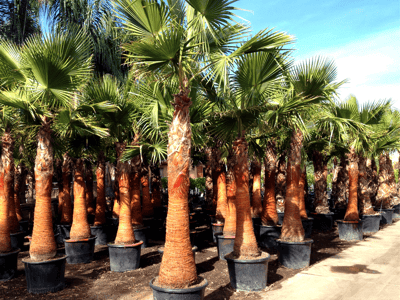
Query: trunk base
{"x":8,"y":264}
{"x":80,"y":252}
{"x":350,"y":230}
{"x":124,"y":257}
{"x":191,"y":293}
{"x":294,"y":255}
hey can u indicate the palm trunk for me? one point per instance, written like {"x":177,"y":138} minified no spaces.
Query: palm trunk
{"x":89,"y":189}
{"x":18,"y":183}
{"x":245,"y":241}
{"x":125,"y":234}
{"x":230,"y":220}
{"x":352,"y":205}
{"x":209,"y":180}
{"x":43,"y":245}
{"x":341,"y":198}
{"x":394,"y":197}
{"x":292,"y":228}
{"x":116,"y":206}
{"x":178,"y":268}
{"x":136,"y":208}
{"x":363,"y":186}
{"x":100,"y":215}
{"x":321,"y":199}
{"x":383,"y":197}
{"x":65,"y":191}
{"x":5,"y":239}
{"x":374,"y":182}
{"x":80,"y":228}
{"x":155,"y":186}
{"x":302,"y":193}
{"x":147,"y":205}
{"x":269,"y":215}
{"x":58,"y":176}
{"x":280,"y":186}
{"x":335,"y":173}
{"x":222,"y":204}
{"x":256,"y":207}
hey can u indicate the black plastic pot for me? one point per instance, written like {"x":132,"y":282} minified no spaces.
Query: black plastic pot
{"x":294,"y":255}
{"x":248,"y":275}
{"x":161,"y":250}
{"x":396,"y":213}
{"x":280,"y":217}
{"x":63,"y":232}
{"x":124,"y":257}
{"x":266,"y":235}
{"x":339,"y":213}
{"x":371,"y":223}
{"x":323,"y":222}
{"x":194,"y":293}
{"x":141,"y":235}
{"x":79,"y":252}
{"x":45,"y":276}
{"x":113,"y":221}
{"x":101,"y":233}
{"x":216,"y":228}
{"x":350,"y":230}
{"x":8,"y":264}
{"x":307,"y":226}
{"x":224,"y":244}
{"x":17,"y":240}
{"x":24,"y":226}
{"x":193,"y":235}
{"x":387,"y":215}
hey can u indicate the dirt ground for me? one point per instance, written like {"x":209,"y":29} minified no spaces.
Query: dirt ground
{"x":96,"y":281}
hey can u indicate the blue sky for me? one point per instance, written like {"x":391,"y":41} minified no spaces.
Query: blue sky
{"x":362,"y":36}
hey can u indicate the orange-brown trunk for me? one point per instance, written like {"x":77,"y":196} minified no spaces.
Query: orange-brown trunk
{"x":256,"y":207}
{"x":230,"y":220}
{"x":352,"y":209}
{"x":100,"y":215}
{"x":280,"y":187}
{"x":18,"y":183}
{"x":80,"y":228}
{"x":178,"y":268}
{"x":5,"y":239}
{"x":245,"y":241}
{"x":43,"y":245}
{"x":65,"y":191}
{"x":147,"y":205}
{"x":302,"y":203}
{"x":222,"y":204}
{"x":116,"y":206}
{"x":137,"y":217}
{"x":89,"y":189}
{"x":58,"y":177}
{"x":269,"y":215}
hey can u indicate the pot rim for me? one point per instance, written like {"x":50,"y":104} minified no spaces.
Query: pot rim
{"x":349,"y":222}
{"x":179,"y":291}
{"x":93,"y":237}
{"x":218,"y":224}
{"x":307,"y":241}
{"x":13,"y":251}
{"x":221,"y":236}
{"x":329,"y":213}
{"x":124,"y":246}
{"x":49,"y":261}
{"x":248,"y":261}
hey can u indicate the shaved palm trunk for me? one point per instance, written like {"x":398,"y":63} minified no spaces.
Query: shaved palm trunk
{"x":18,"y":183}
{"x":147,"y":205}
{"x":58,"y":177}
{"x":341,"y":198}
{"x":302,"y":193}
{"x":292,"y":228}
{"x":269,"y":215}
{"x":89,"y":189}
{"x":80,"y":228}
{"x":100,"y":215}
{"x":178,"y":268}
{"x":230,"y":220}
{"x":383,"y":197}
{"x":256,"y":207}
{"x":125,"y":234}
{"x":280,"y":187}
{"x":215,"y":191}
{"x":43,"y":245}
{"x":116,"y":206}
{"x":352,"y":205}
{"x":363,"y":186}
{"x":321,"y":198}
{"x":209,"y":180}
{"x":374,"y":182}
{"x":136,"y":207}
{"x":65,"y":191}
{"x":5,"y":239}
{"x":155,"y":186}
{"x":8,"y":167}
{"x":222,"y":204}
{"x":245,"y":241}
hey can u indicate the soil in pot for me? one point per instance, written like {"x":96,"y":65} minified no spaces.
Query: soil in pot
{"x":195,"y":292}
{"x":124,"y":257}
{"x":294,"y":255}
{"x":266,"y":235}
{"x":224,"y":244}
{"x":371,"y":223}
{"x":80,"y":252}
{"x":248,"y":274}
{"x":8,"y":264}
{"x":101,"y":233}
{"x":45,"y":276}
{"x":387,"y":215}
{"x":323,"y":222}
{"x":350,"y":230}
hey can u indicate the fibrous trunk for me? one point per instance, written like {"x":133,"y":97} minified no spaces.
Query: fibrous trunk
{"x":320,"y":185}
{"x":100,"y":215}
{"x":155,"y":186}
{"x":269,"y":215}
{"x":125,"y":234}
{"x":43,"y":245}
{"x":341,"y":185}
{"x":65,"y":190}
{"x":178,"y":268}
{"x":364,"y":190}
{"x":89,"y":189}
{"x":394,"y":197}
{"x":147,"y":205}
{"x":245,"y":241}
{"x":292,"y":228}
{"x":230,"y":220}
{"x":383,"y":196}
{"x":280,"y":187}
{"x":256,"y":207}
{"x":374,"y":182}
{"x":80,"y":228}
{"x":352,"y":205}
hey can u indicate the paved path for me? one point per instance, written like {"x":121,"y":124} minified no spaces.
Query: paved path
{"x":368,"y":270}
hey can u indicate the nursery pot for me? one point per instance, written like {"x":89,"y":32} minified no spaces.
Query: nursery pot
{"x":191,"y":293}
{"x":17,"y":240}
{"x":141,"y":235}
{"x":307,"y":226}
{"x":339,"y":213}
{"x":350,"y":230}
{"x":124,"y":257}
{"x":396,"y":213}
{"x":63,"y":232}
{"x":371,"y":223}
{"x":24,"y":226}
{"x":45,"y":276}
{"x":161,"y":250}
{"x":266,"y":235}
{"x":387,"y":215}
{"x":323,"y":222}
{"x":248,"y":275}
{"x":224,"y":244}
{"x":100,"y":232}
{"x":193,"y":235}
{"x":216,"y":228}
{"x":280,"y":217}
{"x":294,"y":255}
{"x":8,"y":264}
{"x":79,"y":251}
